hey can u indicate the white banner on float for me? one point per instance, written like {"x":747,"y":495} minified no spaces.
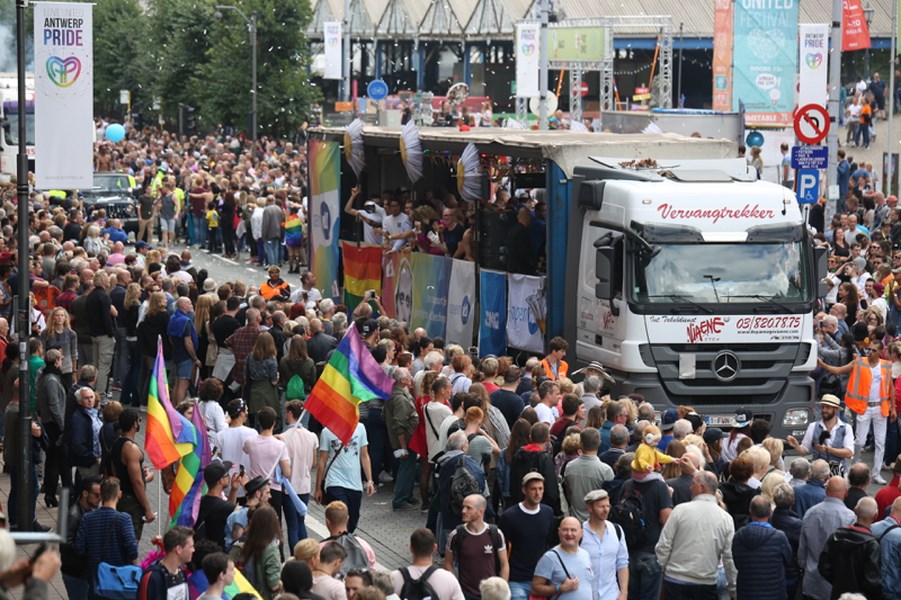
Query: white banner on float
{"x":461,"y":303}
{"x":527,"y":44}
{"x":63,"y":95}
{"x":813,"y":61}
{"x":332,"y":37}
{"x":526,"y":312}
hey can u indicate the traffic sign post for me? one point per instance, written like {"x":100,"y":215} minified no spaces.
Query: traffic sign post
{"x":811,"y":123}
{"x":808,"y":186}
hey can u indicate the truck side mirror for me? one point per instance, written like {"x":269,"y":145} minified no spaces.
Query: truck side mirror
{"x":605,"y":269}
{"x":821,"y":254}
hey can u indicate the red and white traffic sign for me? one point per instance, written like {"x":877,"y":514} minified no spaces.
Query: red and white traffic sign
{"x":811,"y":123}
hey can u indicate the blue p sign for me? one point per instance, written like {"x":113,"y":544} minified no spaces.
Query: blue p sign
{"x":808,"y":186}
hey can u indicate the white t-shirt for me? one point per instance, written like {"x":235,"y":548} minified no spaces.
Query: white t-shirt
{"x":397,"y":224}
{"x":369,"y":234}
{"x":434,"y":414}
{"x":544,"y":413}
{"x":443,"y":582}
{"x":302,"y":445}
{"x":230,"y":442}
{"x":265,"y":452}
{"x":313,"y":296}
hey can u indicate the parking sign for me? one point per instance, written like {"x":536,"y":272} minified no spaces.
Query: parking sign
{"x":808,"y":186}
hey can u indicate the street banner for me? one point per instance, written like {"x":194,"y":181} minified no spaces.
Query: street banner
{"x":325,"y":175}
{"x":855,"y":31}
{"x":431,"y":278}
{"x":526,"y":312}
{"x":492,"y":313}
{"x":812,"y":62}
{"x":63,"y":95}
{"x":722,"y":54}
{"x":362,"y":271}
{"x":765,"y":58}
{"x":527,"y":59}
{"x":331,"y":35}
{"x":390,"y":264}
{"x":461,"y":303}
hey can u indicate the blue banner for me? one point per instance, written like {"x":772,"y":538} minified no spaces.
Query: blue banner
{"x":493,"y":313}
{"x":765,"y":60}
{"x":431,"y":278}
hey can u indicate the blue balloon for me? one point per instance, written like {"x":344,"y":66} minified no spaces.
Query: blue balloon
{"x":115,"y":132}
{"x":755,"y":138}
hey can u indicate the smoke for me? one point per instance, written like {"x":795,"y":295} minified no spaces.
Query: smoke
{"x":8,"y":49}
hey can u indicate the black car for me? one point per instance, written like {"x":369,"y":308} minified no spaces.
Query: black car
{"x":117,"y":194}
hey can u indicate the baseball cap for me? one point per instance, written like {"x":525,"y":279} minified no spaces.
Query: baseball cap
{"x":713,"y":434}
{"x":830,"y":400}
{"x":695,"y":419}
{"x":215,"y":471}
{"x":595,"y":495}
{"x":879,"y":288}
{"x":669,"y":418}
{"x":141,"y":244}
{"x":532,"y":475}
{"x":255,"y":484}
{"x":742,"y":418}
{"x":368,"y":326}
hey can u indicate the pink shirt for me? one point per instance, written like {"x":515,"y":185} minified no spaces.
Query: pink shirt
{"x":264,"y":453}
{"x":302,"y":446}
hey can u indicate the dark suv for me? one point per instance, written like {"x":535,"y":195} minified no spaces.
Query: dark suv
{"x":117,"y":194}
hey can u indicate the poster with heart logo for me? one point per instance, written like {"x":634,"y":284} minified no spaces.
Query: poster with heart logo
{"x":813,"y":49}
{"x":64,"y":95}
{"x":765,"y":60}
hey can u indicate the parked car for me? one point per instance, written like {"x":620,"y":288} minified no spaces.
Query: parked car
{"x":117,"y":194}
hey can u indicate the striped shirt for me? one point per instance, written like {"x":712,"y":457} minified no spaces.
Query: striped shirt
{"x":106,"y":535}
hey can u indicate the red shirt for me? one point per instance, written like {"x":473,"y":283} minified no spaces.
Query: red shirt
{"x":887,"y":495}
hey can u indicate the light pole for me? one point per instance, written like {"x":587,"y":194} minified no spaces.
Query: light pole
{"x":252,"y":28}
{"x":868,"y":15}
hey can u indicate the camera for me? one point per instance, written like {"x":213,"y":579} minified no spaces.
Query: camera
{"x":824,"y":437}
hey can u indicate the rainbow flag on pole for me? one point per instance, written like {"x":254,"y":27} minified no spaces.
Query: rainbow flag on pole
{"x":362,"y":271}
{"x":351,"y":376}
{"x":169,"y":434}
{"x":189,"y":487}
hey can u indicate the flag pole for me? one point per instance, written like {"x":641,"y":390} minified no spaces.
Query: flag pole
{"x":159,"y":502}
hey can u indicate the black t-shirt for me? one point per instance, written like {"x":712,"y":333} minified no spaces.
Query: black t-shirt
{"x":509,"y":403}
{"x":223,"y":327}
{"x":212,"y":517}
{"x":529,"y":537}
{"x":145,"y":206}
{"x":654,"y":498}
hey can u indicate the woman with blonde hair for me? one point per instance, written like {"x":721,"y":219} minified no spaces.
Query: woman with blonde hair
{"x":59,"y":334}
{"x":494,"y":423}
{"x":262,"y":376}
{"x":132,"y":379}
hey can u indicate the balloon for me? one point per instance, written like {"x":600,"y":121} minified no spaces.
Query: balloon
{"x":755,"y":138}
{"x":115,"y":132}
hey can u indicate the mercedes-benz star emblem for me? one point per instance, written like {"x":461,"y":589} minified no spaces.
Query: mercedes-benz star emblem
{"x":726,"y":366}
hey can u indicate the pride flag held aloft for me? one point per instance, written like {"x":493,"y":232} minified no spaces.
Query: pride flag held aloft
{"x":351,"y":376}
{"x":189,"y":486}
{"x":169,"y":434}
{"x":362,"y":271}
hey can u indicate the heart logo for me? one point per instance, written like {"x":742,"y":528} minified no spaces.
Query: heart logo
{"x":814,"y":59}
{"x":528,"y":49}
{"x":63,"y":72}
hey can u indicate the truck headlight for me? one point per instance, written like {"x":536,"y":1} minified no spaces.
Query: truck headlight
{"x":796,"y":417}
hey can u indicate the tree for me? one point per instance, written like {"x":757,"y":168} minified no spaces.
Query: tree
{"x":120,"y":61}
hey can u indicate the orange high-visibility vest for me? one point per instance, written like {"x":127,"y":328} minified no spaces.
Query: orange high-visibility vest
{"x":562,"y":369}
{"x":857,"y":394}
{"x":269,"y":291}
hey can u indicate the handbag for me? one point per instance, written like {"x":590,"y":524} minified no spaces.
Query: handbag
{"x":117,"y":583}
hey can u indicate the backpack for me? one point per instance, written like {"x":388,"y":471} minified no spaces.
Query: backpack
{"x":457,"y":544}
{"x":417,"y":589}
{"x":628,"y":514}
{"x":295,"y":389}
{"x":356,"y":555}
{"x":462,"y":484}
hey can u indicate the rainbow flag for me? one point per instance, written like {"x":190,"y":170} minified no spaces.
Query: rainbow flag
{"x":362,"y":271}
{"x":184,"y":499}
{"x":240,"y":585}
{"x":169,"y":434}
{"x":350,"y":377}
{"x":293,"y":230}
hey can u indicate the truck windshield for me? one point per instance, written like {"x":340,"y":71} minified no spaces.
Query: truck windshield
{"x":12,"y":134}
{"x":762,"y":273}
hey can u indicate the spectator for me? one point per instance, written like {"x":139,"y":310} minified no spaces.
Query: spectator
{"x":819,"y":523}
{"x":605,"y":543}
{"x":166,"y":578}
{"x":297,"y":579}
{"x":355,"y":580}
{"x":506,"y":399}
{"x":261,"y":377}
{"x":696,"y":537}
{"x":257,"y":490}
{"x":325,"y":582}
{"x":37,"y":576}
{"x":258,"y":551}
{"x":585,"y":473}
{"x":886,"y":496}
{"x":851,"y":559}
{"x":456,"y":455}
{"x":241,"y":343}
{"x":527,"y":527}
{"x":74,"y":565}
{"x":50,"y":398}
{"x":788,"y":522}
{"x":814,"y":491}
{"x":401,"y":420}
{"x":469,"y":544}
{"x":219,"y":570}
{"x":536,"y":457}
{"x":564,"y":571}
{"x":265,"y":454}
{"x":737,"y":491}
{"x":888,"y":532}
{"x":616,"y":415}
{"x":100,"y":315}
{"x":302,"y":445}
{"x":214,"y":511}
{"x":494,"y":588}
{"x":858,"y":481}
{"x":320,"y":345}
{"x":185,"y":344}
{"x":336,"y":518}
{"x":762,"y":555}
{"x":423,"y":547}
{"x":126,"y":462}
{"x":346,"y":464}
{"x":230,"y":440}
{"x":618,"y":439}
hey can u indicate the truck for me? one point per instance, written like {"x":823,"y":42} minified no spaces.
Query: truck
{"x":695,"y":284}
{"x":10,"y":112}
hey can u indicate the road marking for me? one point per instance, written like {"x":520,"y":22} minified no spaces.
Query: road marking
{"x":228,"y":260}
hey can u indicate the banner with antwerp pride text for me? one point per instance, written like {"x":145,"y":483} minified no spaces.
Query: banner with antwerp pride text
{"x":63,"y":95}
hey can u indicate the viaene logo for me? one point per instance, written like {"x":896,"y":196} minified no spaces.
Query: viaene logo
{"x":698,"y":332}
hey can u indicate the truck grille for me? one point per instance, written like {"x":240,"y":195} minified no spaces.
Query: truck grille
{"x":762,"y":375}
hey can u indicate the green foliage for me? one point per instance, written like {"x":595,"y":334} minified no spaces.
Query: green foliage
{"x":119,"y":59}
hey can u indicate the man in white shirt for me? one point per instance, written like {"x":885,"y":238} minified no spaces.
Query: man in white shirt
{"x":423,"y":546}
{"x":371,"y":214}
{"x":302,"y":450}
{"x":307,"y":292}
{"x":606,"y":544}
{"x":230,"y":440}
{"x":397,"y":227}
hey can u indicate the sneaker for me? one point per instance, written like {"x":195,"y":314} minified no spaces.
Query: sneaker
{"x":385,"y":477}
{"x":406,"y":506}
{"x":878,"y":480}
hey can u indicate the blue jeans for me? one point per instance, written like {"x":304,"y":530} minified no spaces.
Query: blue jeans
{"x":261,"y":252}
{"x":199,"y":231}
{"x":377,"y":433}
{"x":404,"y":476}
{"x":352,"y":498}
{"x":644,"y":576}
{"x":12,"y":506}
{"x":76,"y":587}
{"x":520,"y":590}
{"x":272,"y":255}
{"x":189,"y":225}
{"x":297,"y":529}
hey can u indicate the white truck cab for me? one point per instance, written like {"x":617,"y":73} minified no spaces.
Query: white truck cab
{"x":694,"y":284}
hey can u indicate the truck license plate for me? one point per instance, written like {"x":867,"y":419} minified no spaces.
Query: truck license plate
{"x":718,"y":420}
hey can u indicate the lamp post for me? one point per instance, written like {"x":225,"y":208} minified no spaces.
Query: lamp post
{"x":252,"y":28}
{"x":868,"y":15}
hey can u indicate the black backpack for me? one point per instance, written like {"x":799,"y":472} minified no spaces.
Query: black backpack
{"x":628,"y":514}
{"x":417,"y":589}
{"x":462,"y":484}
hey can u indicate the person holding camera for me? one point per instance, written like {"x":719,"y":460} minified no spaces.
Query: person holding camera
{"x":828,"y":438}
